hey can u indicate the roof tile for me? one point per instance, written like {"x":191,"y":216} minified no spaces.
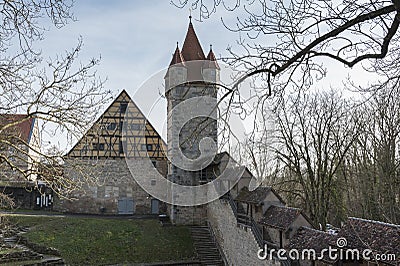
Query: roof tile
{"x":191,"y":49}
{"x":280,"y":217}
{"x":382,"y":238}
{"x":311,"y":239}
{"x":254,"y":197}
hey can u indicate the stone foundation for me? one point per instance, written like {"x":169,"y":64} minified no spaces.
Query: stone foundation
{"x":103,"y":185}
{"x":193,"y":215}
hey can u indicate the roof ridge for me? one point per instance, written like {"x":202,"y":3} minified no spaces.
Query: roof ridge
{"x":373,"y":221}
{"x":314,"y":230}
{"x":288,"y":207}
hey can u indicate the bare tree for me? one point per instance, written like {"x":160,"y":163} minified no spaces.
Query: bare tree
{"x":304,"y":34}
{"x":315,"y":132}
{"x":284,"y":46}
{"x":61,"y":94}
{"x":373,"y":177}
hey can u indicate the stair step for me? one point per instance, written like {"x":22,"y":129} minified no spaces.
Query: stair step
{"x":205,"y":246}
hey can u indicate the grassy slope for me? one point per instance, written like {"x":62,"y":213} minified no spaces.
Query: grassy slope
{"x":92,"y":241}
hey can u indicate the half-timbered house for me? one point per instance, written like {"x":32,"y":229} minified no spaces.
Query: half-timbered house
{"x":98,"y":163}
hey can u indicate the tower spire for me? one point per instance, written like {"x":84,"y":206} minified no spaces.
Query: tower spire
{"x":177,"y":57}
{"x":191,"y":49}
{"x":212,"y":59}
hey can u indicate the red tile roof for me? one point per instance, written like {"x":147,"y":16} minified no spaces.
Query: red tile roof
{"x":191,"y":49}
{"x":23,"y":129}
{"x":213,"y":60}
{"x":177,"y":57}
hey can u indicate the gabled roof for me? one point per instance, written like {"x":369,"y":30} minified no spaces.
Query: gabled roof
{"x":307,"y":238}
{"x":23,"y":127}
{"x":191,"y":49}
{"x":382,"y":238}
{"x":256,"y":196}
{"x":280,"y":217}
{"x":123,"y":96}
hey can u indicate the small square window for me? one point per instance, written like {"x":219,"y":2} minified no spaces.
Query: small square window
{"x":149,"y":147}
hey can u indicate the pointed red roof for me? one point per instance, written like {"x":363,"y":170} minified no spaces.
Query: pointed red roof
{"x":211,"y":55}
{"x":176,"y":57}
{"x":213,"y":60}
{"x":191,"y":49}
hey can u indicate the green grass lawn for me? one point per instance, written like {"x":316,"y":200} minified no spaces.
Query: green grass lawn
{"x":94,"y":241}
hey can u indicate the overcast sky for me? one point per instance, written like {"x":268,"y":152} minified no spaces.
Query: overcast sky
{"x":136,"y":39}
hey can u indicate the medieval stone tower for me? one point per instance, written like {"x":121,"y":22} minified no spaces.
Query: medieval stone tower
{"x":191,"y":77}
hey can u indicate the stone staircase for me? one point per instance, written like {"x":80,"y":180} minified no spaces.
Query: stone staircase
{"x":205,"y":246}
{"x":25,"y":255}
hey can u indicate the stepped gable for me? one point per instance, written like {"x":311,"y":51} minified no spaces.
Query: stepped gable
{"x":280,"y":217}
{"x":381,"y":238}
{"x":311,"y":239}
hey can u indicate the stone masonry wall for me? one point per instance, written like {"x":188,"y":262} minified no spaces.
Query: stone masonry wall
{"x":238,"y":244}
{"x":103,"y":183}
{"x":192,"y":215}
{"x":184,"y":137}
